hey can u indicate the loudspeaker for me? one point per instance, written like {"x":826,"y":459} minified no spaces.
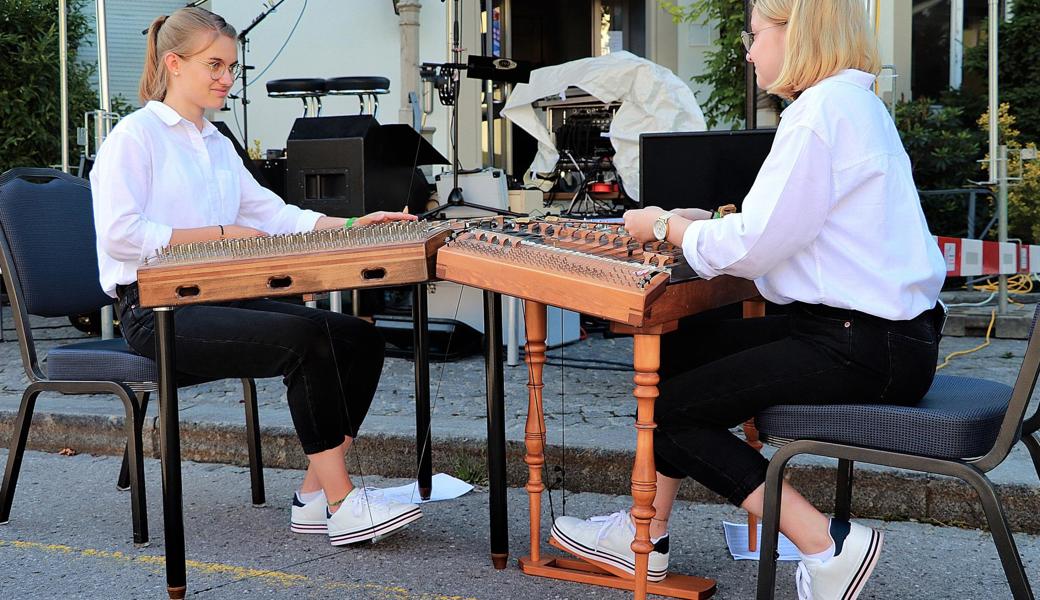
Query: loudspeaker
{"x":347,"y":166}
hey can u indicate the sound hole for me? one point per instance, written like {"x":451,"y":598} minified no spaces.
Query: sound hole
{"x":187,"y":291}
{"x":278,"y":283}
{"x":373,"y":273}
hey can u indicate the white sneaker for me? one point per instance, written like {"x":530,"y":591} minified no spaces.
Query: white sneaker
{"x":366,"y":514}
{"x":843,"y":576}
{"x":309,"y":517}
{"x":607,"y":543}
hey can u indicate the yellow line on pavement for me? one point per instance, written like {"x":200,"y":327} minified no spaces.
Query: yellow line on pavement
{"x":279,"y":577}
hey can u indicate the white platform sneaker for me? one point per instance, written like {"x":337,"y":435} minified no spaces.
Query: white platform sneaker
{"x":607,"y":542}
{"x":843,"y":576}
{"x":367,"y":514}
{"x":309,"y":517}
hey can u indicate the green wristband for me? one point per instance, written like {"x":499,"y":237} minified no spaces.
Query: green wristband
{"x":350,"y":222}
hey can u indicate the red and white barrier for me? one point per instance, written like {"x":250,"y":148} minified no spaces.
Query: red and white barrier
{"x":971,"y":258}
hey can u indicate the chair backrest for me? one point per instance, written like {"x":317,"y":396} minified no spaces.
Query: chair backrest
{"x":48,"y":250}
{"x":1025,"y":383}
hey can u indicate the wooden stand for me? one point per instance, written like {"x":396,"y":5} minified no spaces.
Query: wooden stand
{"x":647,"y":355}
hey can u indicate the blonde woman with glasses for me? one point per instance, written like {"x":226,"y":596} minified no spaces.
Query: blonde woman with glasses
{"x":833,"y":230}
{"x":165,"y":175}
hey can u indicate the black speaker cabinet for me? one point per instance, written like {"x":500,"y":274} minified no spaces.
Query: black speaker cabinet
{"x":348,"y":166}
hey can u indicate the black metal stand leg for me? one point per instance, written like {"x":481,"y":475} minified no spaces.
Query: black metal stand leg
{"x":843,"y":490}
{"x":423,"y":431}
{"x":496,"y":427}
{"x":256,"y":457}
{"x":169,"y":425}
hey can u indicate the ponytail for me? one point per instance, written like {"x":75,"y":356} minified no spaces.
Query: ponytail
{"x":153,"y":77}
{"x":184,"y":32}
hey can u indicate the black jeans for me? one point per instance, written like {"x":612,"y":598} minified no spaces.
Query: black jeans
{"x":329,"y":362}
{"x":812,"y":355}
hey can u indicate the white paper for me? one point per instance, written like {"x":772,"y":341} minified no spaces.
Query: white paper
{"x":445,"y":487}
{"x":737,"y":540}
{"x":652,"y":99}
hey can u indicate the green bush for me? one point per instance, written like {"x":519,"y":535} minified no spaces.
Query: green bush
{"x":724,"y":62}
{"x":1019,"y":68}
{"x":30,"y":96}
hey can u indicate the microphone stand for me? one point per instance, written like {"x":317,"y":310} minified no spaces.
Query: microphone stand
{"x":244,"y":42}
{"x":453,"y":71}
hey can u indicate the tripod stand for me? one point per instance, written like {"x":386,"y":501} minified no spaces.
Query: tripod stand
{"x":446,"y":78}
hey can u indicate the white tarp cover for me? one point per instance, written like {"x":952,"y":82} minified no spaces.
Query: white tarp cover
{"x":652,"y":99}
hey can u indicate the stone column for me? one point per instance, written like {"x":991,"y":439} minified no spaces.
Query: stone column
{"x":409,"y":81}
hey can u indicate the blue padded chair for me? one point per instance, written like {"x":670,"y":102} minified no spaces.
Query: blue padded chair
{"x":974,"y":425}
{"x":49,"y":261}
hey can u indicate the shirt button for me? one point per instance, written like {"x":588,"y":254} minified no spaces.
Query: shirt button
{"x":848,"y":324}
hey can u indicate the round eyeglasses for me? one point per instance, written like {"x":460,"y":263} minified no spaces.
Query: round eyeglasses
{"x":748,"y":37}
{"x":217,"y":68}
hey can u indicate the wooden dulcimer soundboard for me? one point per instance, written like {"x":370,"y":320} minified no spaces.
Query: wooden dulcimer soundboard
{"x":386,"y":254}
{"x":593,"y":268}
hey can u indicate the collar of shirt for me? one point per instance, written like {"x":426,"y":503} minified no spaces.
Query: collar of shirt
{"x":858,"y":78}
{"x":171,"y":117}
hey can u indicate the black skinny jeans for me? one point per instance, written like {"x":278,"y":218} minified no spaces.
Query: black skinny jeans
{"x":329,"y":362}
{"x":716,"y":374}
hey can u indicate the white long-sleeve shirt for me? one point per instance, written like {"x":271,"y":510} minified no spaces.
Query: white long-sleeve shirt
{"x":833,"y":217}
{"x":157,"y":172}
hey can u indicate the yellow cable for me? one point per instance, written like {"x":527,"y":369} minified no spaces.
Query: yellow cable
{"x":989,"y":330}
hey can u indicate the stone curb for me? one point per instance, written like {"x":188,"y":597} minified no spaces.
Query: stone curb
{"x":888,"y":495}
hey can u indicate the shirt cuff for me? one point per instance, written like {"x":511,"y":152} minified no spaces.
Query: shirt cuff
{"x":158,"y":237}
{"x":690,"y":241}
{"x":307,"y":220}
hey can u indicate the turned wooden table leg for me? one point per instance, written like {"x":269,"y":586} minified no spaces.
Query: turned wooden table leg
{"x":534,"y":436}
{"x":647,"y":359}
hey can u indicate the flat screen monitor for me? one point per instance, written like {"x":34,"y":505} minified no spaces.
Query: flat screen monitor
{"x":703,"y":169}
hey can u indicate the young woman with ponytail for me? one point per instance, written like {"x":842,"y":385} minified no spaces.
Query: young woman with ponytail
{"x":833,"y":230}
{"x":166,"y":176}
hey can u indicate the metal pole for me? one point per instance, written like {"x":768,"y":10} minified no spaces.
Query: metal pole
{"x":1002,"y":225}
{"x":107,"y":314}
{"x":750,"y":87}
{"x":63,"y":60}
{"x":997,"y":157}
{"x":956,"y":42}
{"x":489,"y":85}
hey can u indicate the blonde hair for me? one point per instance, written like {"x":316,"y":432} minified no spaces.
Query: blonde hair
{"x":180,"y":33}
{"x":823,"y":38}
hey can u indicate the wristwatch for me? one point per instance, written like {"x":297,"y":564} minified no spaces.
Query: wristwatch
{"x":661,"y":226}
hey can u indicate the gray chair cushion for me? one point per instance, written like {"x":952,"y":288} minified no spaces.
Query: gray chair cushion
{"x":99,"y":360}
{"x":959,"y":417}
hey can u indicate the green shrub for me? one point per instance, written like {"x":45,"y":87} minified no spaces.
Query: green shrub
{"x":30,"y":96}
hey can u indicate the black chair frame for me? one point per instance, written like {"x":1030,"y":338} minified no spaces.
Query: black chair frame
{"x":134,"y":395}
{"x":972,"y":471}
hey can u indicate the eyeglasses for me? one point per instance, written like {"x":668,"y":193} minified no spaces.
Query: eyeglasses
{"x":748,"y":37}
{"x":217,"y":68}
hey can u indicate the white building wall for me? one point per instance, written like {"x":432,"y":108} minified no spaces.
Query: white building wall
{"x":334,"y":38}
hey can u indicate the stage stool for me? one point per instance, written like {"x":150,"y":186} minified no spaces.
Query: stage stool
{"x":367,"y":89}
{"x":308,"y":89}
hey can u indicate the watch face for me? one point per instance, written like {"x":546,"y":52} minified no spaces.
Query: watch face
{"x":660,"y":229}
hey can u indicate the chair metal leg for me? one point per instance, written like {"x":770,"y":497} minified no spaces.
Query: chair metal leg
{"x":123,"y":484}
{"x":256,"y":461}
{"x":843,"y":491}
{"x":998,"y":526}
{"x":19,"y":436}
{"x":1029,"y":439}
{"x":771,"y":523}
{"x":135,"y":459}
